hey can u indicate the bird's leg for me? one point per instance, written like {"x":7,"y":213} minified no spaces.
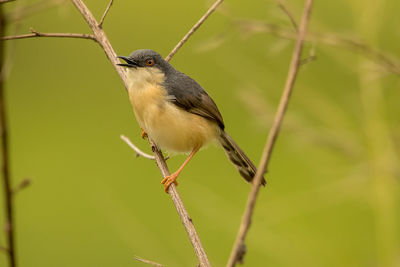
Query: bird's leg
{"x":168,"y":180}
{"x":144,"y":134}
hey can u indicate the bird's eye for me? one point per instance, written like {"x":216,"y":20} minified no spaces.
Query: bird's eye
{"x":150,"y":62}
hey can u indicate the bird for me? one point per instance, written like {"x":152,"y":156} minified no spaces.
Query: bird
{"x":177,"y":113}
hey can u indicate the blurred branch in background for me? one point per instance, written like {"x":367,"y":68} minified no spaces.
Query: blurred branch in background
{"x":289,"y":15}
{"x":239,"y":247}
{"x":26,"y":11}
{"x":21,"y":186}
{"x":341,"y":140}
{"x":152,"y":263}
{"x":9,"y":226}
{"x":382,"y":157}
{"x":387,"y":62}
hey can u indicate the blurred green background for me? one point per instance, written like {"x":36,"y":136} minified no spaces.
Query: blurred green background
{"x":333,"y":184}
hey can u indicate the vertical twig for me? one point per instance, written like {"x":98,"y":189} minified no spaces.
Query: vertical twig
{"x":9,"y":216}
{"x":193,"y":29}
{"x":238,"y":247}
{"x":105,"y":14}
{"x":289,"y":14}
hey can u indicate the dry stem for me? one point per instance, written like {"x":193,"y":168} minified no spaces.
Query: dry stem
{"x":105,"y":14}
{"x":388,"y":63}
{"x":40,"y":34}
{"x":136,"y":149}
{"x":152,"y":263}
{"x":289,"y":14}
{"x":9,"y":216}
{"x":239,"y":245}
{"x":193,"y":29}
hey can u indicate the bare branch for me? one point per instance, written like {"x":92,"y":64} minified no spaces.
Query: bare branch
{"x":5,"y":1}
{"x":387,"y":62}
{"x":9,"y":209}
{"x":105,"y":14}
{"x":193,"y":29}
{"x":185,"y":219}
{"x":24,"y":184}
{"x":152,"y":263}
{"x":289,"y":14}
{"x":136,"y":149}
{"x":311,"y":57}
{"x":26,"y":11}
{"x":41,"y":34}
{"x":273,"y":134}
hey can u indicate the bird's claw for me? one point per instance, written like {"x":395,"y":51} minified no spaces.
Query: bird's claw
{"x":168,"y":180}
{"x":144,"y":134}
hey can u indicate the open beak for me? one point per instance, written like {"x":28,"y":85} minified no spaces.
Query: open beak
{"x":129,"y":62}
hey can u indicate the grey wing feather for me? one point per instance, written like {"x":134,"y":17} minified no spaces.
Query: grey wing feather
{"x":187,"y":94}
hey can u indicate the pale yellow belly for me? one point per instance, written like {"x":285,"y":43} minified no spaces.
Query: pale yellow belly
{"x":172,"y":128}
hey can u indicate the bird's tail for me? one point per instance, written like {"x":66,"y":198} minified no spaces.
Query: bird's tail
{"x":242,"y":163}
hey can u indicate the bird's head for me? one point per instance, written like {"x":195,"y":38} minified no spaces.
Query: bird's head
{"x":144,"y":58}
{"x":146,"y":64}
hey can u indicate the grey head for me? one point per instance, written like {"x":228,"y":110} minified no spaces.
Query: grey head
{"x":146,"y":58}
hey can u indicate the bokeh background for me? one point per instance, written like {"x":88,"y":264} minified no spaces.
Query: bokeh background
{"x":333,"y":184}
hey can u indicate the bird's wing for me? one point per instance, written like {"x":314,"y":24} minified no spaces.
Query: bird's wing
{"x":187,"y":94}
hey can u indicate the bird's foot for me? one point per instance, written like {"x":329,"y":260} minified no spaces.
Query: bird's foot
{"x":168,"y":180}
{"x":144,"y":134}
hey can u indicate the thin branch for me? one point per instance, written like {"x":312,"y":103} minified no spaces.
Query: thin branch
{"x":26,"y":11}
{"x":105,"y":14}
{"x":106,"y":45}
{"x":184,"y":216}
{"x":136,"y":149}
{"x":58,"y":35}
{"x":152,"y":263}
{"x":22,"y":185}
{"x":193,"y":29}
{"x":237,"y":251}
{"x":9,"y":208}
{"x":389,"y":63}
{"x":309,"y":58}
{"x":289,"y":14}
{"x":5,"y":1}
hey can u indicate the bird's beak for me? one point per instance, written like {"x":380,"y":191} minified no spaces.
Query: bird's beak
{"x":129,"y":62}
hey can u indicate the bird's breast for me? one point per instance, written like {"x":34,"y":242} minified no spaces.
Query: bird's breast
{"x":171,"y":127}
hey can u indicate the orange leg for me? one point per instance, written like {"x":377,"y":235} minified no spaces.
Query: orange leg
{"x":144,"y":134}
{"x":168,"y":180}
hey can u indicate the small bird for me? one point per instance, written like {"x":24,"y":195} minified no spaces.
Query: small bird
{"x":177,"y":113}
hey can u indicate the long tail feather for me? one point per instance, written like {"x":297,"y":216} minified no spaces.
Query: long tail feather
{"x":242,"y":163}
